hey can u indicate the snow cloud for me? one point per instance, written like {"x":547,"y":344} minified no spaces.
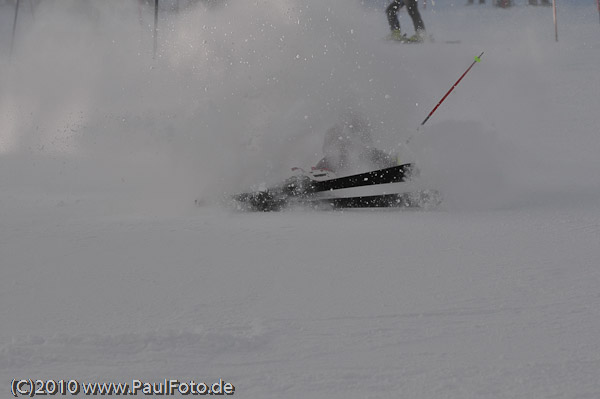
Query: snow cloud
{"x":239,"y":92}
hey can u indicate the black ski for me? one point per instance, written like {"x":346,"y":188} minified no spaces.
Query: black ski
{"x":395,"y":174}
{"x":416,"y":199}
{"x":302,"y":188}
{"x":406,"y":40}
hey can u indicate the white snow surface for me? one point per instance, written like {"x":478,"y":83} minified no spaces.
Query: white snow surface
{"x":110,"y":273}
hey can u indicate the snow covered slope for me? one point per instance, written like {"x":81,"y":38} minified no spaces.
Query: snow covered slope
{"x":109,"y":272}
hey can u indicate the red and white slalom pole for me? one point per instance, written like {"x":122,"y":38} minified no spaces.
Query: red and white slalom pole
{"x":477,"y":59}
{"x":598,"y":4}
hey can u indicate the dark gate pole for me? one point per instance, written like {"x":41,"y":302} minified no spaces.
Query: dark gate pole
{"x":14,"y":30}
{"x":155,"y":26}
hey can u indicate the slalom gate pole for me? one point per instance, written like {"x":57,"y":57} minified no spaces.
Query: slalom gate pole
{"x":555,"y":22}
{"x":155,"y":27}
{"x":598,"y":3}
{"x":477,"y":59}
{"x":14,"y":30}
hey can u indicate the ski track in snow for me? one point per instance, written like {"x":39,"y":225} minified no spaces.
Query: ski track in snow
{"x":109,"y":273}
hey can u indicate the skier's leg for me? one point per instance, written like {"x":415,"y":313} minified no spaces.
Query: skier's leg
{"x":413,"y":11}
{"x":392,"y":14}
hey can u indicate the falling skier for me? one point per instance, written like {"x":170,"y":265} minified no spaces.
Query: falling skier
{"x":348,"y":152}
{"x":348,"y":144}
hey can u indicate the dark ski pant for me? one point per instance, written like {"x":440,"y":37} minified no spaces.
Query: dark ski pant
{"x":413,"y":11}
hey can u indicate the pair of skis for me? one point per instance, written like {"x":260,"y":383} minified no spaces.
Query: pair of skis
{"x":303,"y":191}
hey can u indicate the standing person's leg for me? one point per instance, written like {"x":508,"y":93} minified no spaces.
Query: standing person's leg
{"x":413,"y":11}
{"x":392,"y":14}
